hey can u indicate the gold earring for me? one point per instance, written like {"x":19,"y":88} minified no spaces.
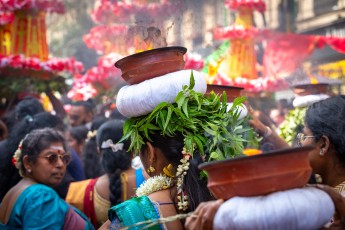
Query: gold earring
{"x":151,"y":170}
{"x":169,"y":171}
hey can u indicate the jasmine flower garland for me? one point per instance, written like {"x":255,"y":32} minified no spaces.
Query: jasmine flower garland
{"x":154,"y":184}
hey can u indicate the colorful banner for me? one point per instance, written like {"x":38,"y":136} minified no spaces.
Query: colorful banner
{"x":29,"y":35}
{"x":335,"y":70}
{"x":5,"y":39}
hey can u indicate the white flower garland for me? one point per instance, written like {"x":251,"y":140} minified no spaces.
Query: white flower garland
{"x":154,"y":184}
{"x":161,"y":182}
{"x":181,"y":172}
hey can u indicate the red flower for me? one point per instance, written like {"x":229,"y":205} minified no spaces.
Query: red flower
{"x":14,"y":161}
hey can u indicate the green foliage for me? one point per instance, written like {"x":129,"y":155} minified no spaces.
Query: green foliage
{"x":203,"y":120}
{"x":11,"y":85}
{"x":292,"y":125}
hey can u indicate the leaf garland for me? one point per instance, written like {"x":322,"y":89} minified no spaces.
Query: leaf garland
{"x":202,"y":119}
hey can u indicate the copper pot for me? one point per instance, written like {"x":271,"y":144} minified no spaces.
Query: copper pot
{"x":260,"y":174}
{"x":231,"y":91}
{"x":152,"y":63}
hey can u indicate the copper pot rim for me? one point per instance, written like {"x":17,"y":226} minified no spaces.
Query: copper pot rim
{"x":148,"y":52}
{"x":225,"y":87}
{"x":208,"y":165}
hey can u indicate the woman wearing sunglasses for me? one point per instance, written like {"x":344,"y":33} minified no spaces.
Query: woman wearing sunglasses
{"x":41,"y":159}
{"x":324,"y":127}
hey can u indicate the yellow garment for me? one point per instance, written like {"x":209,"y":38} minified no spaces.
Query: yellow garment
{"x":101,"y":208}
{"x":76,"y":192}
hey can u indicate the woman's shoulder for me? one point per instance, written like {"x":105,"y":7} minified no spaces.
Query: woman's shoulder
{"x":38,"y":194}
{"x":162,"y":196}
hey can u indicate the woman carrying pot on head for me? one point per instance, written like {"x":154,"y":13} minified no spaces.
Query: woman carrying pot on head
{"x":41,"y":159}
{"x":172,"y":139}
{"x":94,"y":197}
{"x":324,"y":127}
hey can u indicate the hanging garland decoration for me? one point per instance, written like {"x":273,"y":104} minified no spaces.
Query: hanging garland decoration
{"x":235,"y":32}
{"x":258,"y":5}
{"x":101,"y":78}
{"x":103,"y":38}
{"x":193,"y":61}
{"x":108,"y":12}
{"x":81,"y":90}
{"x":19,"y":61}
{"x":6,"y":17}
{"x":52,"y":6}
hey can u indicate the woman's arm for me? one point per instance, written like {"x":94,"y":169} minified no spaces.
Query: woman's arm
{"x":265,"y":131}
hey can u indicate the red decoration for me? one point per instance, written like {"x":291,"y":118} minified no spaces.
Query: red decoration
{"x":338,"y":44}
{"x":55,"y":6}
{"x":108,"y":12}
{"x":193,"y":61}
{"x":236,"y":32}
{"x":285,"y":53}
{"x":6,"y":17}
{"x":258,"y":5}
{"x":52,"y":65}
{"x":14,"y":161}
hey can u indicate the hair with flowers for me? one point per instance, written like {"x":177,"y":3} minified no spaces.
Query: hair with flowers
{"x":207,"y":128}
{"x":91,"y":134}
{"x":16,"y":156}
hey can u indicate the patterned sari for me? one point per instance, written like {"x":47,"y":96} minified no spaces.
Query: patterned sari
{"x":133,"y":211}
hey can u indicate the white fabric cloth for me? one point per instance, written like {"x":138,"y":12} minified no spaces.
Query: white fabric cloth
{"x":298,"y":209}
{"x":242,"y":109}
{"x":304,"y":101}
{"x":140,"y":99}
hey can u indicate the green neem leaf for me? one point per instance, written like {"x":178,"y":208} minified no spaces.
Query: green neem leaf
{"x":199,"y":144}
{"x":224,"y":98}
{"x":185,"y":107}
{"x":192,"y":81}
{"x":167,"y":118}
{"x":127,"y":126}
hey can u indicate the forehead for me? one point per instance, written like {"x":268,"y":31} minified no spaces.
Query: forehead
{"x":306,"y":130}
{"x":56,"y":146}
{"x":77,"y":109}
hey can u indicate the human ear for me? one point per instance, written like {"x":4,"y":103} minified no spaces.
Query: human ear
{"x":27,"y":163}
{"x":325,"y":143}
{"x":151,"y":153}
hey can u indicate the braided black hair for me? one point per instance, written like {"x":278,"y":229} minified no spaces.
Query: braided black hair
{"x":195,"y":187}
{"x":114,"y":163}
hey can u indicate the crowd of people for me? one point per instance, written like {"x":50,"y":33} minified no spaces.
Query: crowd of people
{"x":78,"y":170}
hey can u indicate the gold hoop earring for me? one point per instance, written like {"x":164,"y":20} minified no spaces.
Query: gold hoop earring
{"x":151,"y":170}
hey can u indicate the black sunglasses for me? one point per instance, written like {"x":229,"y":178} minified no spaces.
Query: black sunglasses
{"x":53,"y":158}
